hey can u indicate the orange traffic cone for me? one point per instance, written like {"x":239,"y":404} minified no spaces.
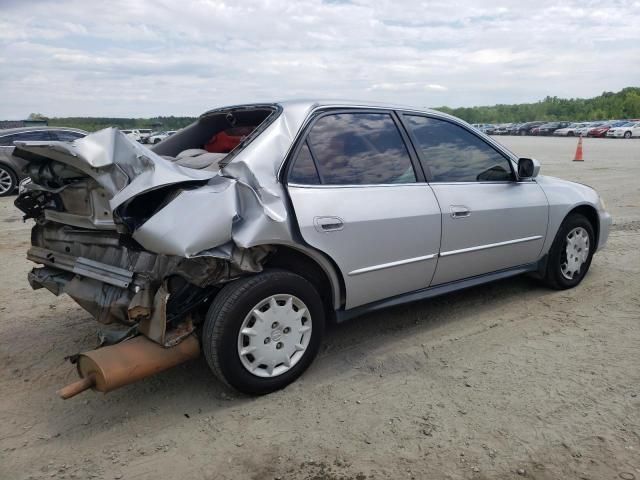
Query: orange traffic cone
{"x":578,"y":157}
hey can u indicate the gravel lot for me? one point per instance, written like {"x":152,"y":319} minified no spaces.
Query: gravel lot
{"x":508,"y":380}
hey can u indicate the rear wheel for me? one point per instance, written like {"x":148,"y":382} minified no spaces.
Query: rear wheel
{"x":627,"y":134}
{"x":571,"y":253}
{"x":8,"y":181}
{"x":263,"y":331}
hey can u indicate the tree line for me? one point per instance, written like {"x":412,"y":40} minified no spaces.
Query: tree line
{"x":624,"y":104}
{"x":91,"y":124}
{"x":619,"y":105}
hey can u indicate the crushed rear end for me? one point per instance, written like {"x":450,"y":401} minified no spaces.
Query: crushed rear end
{"x":143,"y":239}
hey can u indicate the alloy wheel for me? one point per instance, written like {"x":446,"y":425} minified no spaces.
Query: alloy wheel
{"x":6,"y":181}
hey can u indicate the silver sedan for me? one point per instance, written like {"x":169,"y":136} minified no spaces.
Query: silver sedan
{"x":244,"y":233}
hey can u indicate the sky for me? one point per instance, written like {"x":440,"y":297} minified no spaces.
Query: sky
{"x":141,"y":58}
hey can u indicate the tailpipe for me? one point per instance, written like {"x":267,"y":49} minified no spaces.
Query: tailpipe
{"x":108,"y":368}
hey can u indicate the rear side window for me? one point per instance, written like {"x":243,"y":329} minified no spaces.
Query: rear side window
{"x":454,"y":154}
{"x":66,"y":135}
{"x":359,"y":149}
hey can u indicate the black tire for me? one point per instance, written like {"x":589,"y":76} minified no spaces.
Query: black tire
{"x":554,"y":277}
{"x":9,"y":181}
{"x":156,"y":140}
{"x":227,"y":313}
{"x":570,"y":134}
{"x":627,"y":134}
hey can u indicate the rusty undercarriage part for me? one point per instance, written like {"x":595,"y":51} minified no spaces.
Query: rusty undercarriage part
{"x":108,"y":368}
{"x":118,"y":282}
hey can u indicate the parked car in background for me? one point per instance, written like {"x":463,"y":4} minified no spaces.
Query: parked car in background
{"x":144,"y":134}
{"x":548,"y":128}
{"x":132,"y":134}
{"x":582,"y":131}
{"x":157,"y":137}
{"x":601,"y":130}
{"x":628,"y":130}
{"x":502,"y":129}
{"x":10,"y":166}
{"x":484,"y":127}
{"x":525,"y":128}
{"x":570,"y":130}
{"x":248,"y":259}
{"x":514,"y":128}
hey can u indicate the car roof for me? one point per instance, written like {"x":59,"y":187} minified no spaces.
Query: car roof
{"x":307,"y":104}
{"x":9,"y":131}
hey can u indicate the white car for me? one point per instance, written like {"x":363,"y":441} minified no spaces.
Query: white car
{"x":582,"y":131}
{"x":484,"y":127}
{"x":159,"y":136}
{"x":144,"y":134}
{"x":132,"y":134}
{"x":628,"y":130}
{"x":570,"y":131}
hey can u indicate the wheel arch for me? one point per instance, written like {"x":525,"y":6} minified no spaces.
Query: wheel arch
{"x":10,"y":167}
{"x":591,"y":214}
{"x":313,"y":266}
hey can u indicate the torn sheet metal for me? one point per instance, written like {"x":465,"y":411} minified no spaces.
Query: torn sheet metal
{"x":122,"y":166}
{"x":206,"y":227}
{"x":248,"y":211}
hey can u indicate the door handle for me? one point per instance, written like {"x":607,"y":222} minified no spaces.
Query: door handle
{"x":459,"y":211}
{"x":328,"y":224}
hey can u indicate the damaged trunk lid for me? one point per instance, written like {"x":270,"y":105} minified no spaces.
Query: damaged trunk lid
{"x":136,"y":239}
{"x":83,"y":182}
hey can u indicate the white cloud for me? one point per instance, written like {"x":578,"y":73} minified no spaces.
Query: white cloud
{"x":124,"y":58}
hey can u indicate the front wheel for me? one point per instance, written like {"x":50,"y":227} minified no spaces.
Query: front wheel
{"x":263,"y":331}
{"x":571,"y":253}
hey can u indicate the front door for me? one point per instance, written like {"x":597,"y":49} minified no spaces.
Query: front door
{"x":490,"y":221}
{"x":360,"y":197}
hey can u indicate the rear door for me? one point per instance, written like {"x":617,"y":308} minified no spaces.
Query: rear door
{"x":490,"y":221}
{"x":360,"y":196}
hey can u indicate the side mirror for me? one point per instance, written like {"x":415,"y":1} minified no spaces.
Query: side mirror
{"x":528,"y":168}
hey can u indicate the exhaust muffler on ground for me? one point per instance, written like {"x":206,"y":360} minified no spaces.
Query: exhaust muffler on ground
{"x":108,"y":368}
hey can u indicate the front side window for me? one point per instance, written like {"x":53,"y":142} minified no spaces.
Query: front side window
{"x":454,"y":154}
{"x":359,"y":149}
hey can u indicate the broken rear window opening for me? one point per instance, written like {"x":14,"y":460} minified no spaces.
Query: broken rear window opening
{"x":217,"y":136}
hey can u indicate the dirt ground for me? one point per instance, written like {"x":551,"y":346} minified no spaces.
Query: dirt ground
{"x":507,"y":380}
